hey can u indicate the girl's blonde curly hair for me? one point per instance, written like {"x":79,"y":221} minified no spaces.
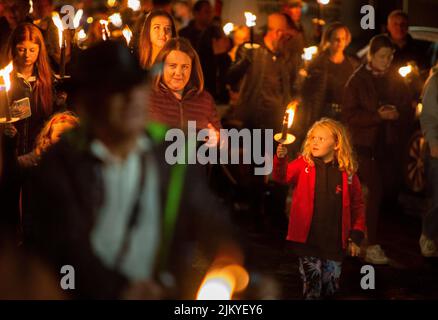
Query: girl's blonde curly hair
{"x":43,"y":141}
{"x":343,"y":152}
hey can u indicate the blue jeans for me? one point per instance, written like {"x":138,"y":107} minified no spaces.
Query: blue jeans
{"x":320,"y":277}
{"x":430,"y":220}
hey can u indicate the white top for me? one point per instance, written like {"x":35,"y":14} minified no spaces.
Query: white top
{"x":121,"y":186}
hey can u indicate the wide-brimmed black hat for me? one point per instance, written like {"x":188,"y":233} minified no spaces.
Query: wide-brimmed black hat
{"x":108,"y":66}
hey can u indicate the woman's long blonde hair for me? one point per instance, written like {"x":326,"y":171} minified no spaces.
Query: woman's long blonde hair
{"x":43,"y":141}
{"x":343,"y":151}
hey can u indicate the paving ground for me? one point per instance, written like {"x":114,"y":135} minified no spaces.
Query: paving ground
{"x":409,"y":276}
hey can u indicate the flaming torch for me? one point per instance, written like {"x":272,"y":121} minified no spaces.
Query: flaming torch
{"x":251,"y":23}
{"x":135,"y":5}
{"x":405,"y":71}
{"x":284,"y":137}
{"x":127,"y":33}
{"x":228,"y":28}
{"x":309,"y":53}
{"x":5,"y":74}
{"x":321,"y":3}
{"x":222,"y":283}
{"x":116,"y":20}
{"x":58,"y":23}
{"x":105,"y":30}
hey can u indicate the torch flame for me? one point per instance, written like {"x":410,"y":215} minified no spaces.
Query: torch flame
{"x":81,"y":35}
{"x":5,"y":74}
{"x":31,"y":6}
{"x":220,"y":284}
{"x":127,"y":33}
{"x":291,"y":110}
{"x":323,"y":2}
{"x":105,"y":31}
{"x":404,"y":71}
{"x":111,"y":3}
{"x":77,"y":18}
{"x":228,"y":28}
{"x":116,"y":19}
{"x":59,"y":25}
{"x":134,"y":4}
{"x":309,"y":53}
{"x":250,"y":19}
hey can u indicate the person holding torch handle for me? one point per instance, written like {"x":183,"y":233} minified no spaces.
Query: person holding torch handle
{"x":32,"y":78}
{"x":327,"y":215}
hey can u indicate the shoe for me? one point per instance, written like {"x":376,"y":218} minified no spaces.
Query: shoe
{"x":428,"y":247}
{"x":375,"y":255}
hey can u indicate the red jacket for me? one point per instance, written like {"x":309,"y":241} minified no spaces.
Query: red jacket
{"x":302,"y":175}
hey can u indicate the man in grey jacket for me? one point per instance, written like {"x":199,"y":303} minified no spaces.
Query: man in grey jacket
{"x":429,"y":126}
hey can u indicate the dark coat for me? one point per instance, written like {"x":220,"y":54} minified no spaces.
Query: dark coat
{"x":361,"y":102}
{"x":67,"y":190}
{"x":214,"y":66}
{"x":314,"y":89}
{"x":252,"y":67}
{"x":28,"y":129}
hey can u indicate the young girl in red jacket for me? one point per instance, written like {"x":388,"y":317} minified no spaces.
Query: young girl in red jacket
{"x":327,"y":216}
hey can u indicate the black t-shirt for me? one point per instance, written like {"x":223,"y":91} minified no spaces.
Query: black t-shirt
{"x":325,"y":236}
{"x":337,"y":77}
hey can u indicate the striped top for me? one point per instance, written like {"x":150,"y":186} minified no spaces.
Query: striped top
{"x":165,"y":108}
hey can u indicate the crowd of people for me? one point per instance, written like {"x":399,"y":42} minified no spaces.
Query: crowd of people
{"x":83,"y":176}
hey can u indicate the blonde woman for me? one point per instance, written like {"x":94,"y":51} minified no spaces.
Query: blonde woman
{"x":327,"y":216}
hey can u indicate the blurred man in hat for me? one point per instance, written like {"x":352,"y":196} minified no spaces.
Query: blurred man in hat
{"x":104,"y":200}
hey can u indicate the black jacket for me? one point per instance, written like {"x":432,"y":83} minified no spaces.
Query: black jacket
{"x":362,"y":101}
{"x":314,"y":91}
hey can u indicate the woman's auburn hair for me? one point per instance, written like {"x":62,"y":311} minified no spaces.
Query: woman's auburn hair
{"x":180,"y":44}
{"x":344,"y":150}
{"x":145,"y":44}
{"x":43,"y":140}
{"x":43,"y":91}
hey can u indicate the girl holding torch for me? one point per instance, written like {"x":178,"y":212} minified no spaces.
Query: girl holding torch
{"x":327,"y":216}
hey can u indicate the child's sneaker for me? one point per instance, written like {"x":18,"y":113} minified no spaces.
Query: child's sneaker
{"x":428,"y":247}
{"x":375,"y":255}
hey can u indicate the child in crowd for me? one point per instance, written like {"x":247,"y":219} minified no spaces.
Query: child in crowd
{"x":327,"y":217}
